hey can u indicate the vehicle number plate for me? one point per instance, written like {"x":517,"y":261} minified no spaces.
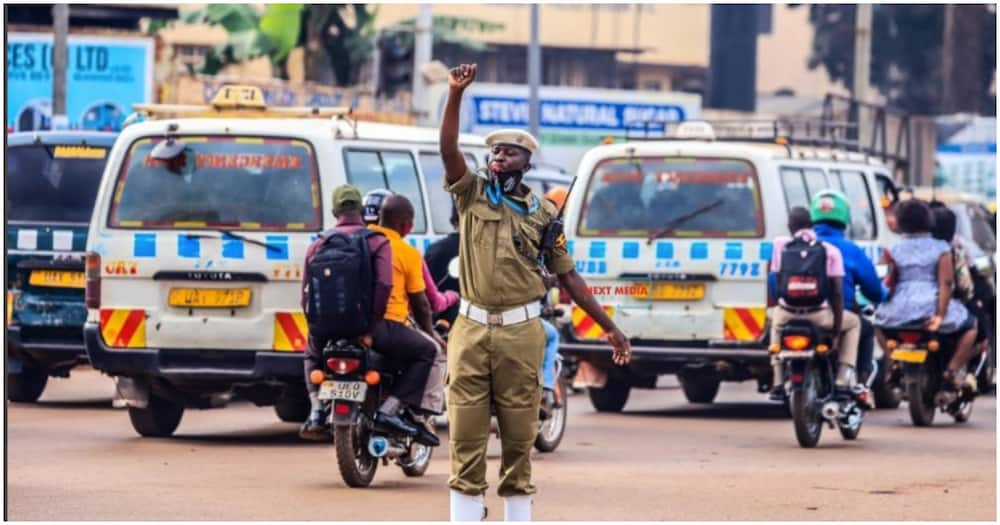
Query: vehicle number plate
{"x":57,"y":279}
{"x":909,"y":356}
{"x":209,"y":297}
{"x":343,"y":390}
{"x":672,"y":292}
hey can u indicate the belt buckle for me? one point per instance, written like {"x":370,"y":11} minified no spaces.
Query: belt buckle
{"x":494,"y":318}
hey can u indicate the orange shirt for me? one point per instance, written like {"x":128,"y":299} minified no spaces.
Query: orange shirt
{"x":407,"y":275}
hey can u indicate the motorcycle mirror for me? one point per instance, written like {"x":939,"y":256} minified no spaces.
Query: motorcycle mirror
{"x":453,"y":268}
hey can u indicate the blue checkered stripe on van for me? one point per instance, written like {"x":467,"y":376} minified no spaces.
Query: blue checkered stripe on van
{"x":150,"y":245}
{"x":740,"y":259}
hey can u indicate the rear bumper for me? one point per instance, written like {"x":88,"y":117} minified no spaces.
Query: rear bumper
{"x":668,"y":353}
{"x":55,"y":353}
{"x":209,"y":365}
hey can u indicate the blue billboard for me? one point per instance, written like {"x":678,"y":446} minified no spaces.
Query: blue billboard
{"x":104,"y":77}
{"x":593,"y":115}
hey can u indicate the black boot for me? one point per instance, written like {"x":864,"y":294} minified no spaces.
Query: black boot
{"x":388,"y":420}
{"x":424,"y":434}
{"x":394,"y":424}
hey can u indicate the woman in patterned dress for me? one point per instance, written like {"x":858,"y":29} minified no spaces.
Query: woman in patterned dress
{"x":921,"y":279}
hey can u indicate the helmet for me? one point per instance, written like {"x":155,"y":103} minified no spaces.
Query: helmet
{"x":557,"y":196}
{"x":373,"y":204}
{"x":830,"y":205}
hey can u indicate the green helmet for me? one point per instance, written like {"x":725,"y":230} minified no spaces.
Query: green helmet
{"x":830,"y":205}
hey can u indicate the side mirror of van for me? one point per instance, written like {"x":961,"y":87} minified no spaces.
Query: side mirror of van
{"x":453,"y":268}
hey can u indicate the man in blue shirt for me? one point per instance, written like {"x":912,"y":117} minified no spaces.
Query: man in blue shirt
{"x":829,"y":223}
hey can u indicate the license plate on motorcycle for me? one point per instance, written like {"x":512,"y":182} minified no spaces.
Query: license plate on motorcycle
{"x":57,"y":279}
{"x":343,"y":390}
{"x":909,"y":356}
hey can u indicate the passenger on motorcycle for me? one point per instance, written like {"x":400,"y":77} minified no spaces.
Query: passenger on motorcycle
{"x":921,"y":280}
{"x":416,"y":349}
{"x":945,"y":224}
{"x":859,"y":272}
{"x":433,"y":400}
{"x":830,"y":314}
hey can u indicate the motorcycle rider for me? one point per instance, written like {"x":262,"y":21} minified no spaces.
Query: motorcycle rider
{"x":831,"y":315}
{"x":830,"y":224}
{"x":347,"y":211}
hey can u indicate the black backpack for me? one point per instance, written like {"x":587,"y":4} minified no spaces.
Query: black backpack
{"x":802,"y":281}
{"x":341,"y":284}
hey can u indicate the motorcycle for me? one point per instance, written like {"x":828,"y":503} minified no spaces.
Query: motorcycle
{"x":355,"y":380}
{"x":919,"y":359}
{"x":811,"y":366}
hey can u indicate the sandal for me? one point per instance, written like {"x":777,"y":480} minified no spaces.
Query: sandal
{"x":954,"y":379}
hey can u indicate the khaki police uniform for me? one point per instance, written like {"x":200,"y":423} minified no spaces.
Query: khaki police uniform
{"x":497,"y":359}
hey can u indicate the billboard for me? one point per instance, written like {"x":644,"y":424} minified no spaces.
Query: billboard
{"x":104,"y":77}
{"x":571,"y":120}
{"x":967,"y":154}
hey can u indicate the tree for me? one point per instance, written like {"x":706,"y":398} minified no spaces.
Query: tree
{"x":906,"y":63}
{"x":251,"y":34}
{"x":338,"y":39}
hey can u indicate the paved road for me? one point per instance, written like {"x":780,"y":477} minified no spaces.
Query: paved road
{"x":72,"y":457}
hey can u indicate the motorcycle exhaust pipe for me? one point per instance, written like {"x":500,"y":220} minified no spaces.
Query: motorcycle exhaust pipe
{"x":379,"y":446}
{"x":830,"y":410}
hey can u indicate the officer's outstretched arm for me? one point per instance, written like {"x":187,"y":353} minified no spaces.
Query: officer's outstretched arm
{"x":459,"y":78}
{"x":577,"y":288}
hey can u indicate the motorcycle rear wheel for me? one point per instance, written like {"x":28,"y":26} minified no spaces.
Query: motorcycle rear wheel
{"x":920,"y":396}
{"x":357,"y":466}
{"x":805,"y":416}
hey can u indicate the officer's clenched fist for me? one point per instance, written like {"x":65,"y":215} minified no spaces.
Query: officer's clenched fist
{"x":460,"y":77}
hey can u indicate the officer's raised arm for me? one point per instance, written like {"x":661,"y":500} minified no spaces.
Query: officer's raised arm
{"x":459,"y":78}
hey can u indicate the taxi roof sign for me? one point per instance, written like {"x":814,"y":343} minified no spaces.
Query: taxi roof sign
{"x":239,"y":97}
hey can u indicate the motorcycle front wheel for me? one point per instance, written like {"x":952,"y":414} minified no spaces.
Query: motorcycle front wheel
{"x":357,"y":466}
{"x":415,"y":465}
{"x":805,"y":414}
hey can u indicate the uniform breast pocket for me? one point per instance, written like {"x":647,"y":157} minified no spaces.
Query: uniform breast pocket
{"x":527,"y":239}
{"x":485,"y":225}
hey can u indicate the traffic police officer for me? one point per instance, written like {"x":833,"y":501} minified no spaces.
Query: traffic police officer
{"x":495,"y":347}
